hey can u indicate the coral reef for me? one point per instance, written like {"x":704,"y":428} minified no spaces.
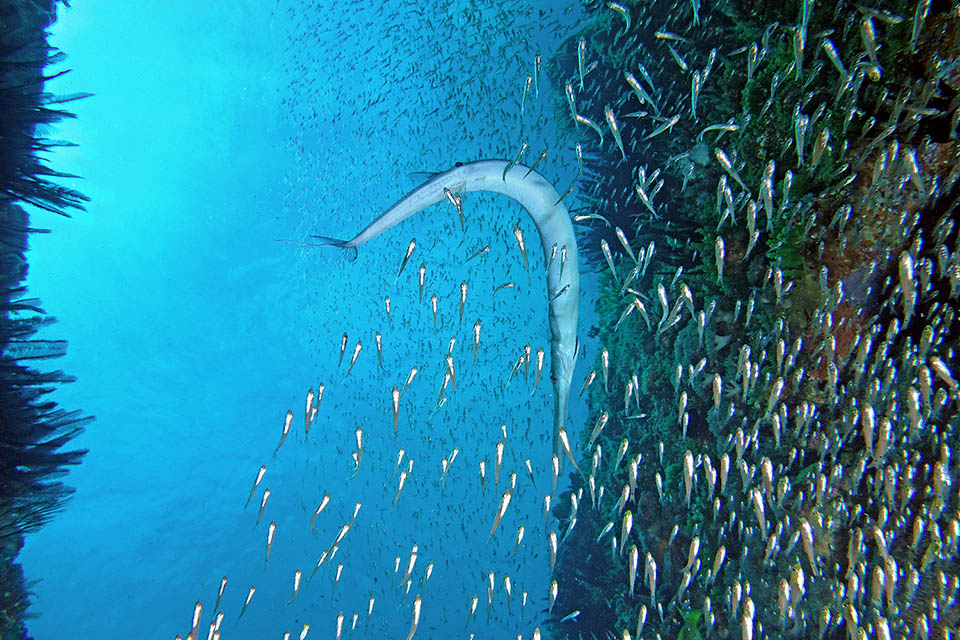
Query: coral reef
{"x":776,"y":227}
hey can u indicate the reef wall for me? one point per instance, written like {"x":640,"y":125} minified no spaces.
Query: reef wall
{"x":34,"y":431}
{"x":775,"y":217}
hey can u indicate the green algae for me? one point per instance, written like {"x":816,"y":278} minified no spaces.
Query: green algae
{"x":800,"y":246}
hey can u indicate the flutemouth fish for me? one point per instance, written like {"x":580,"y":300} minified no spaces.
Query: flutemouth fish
{"x":541,"y":200}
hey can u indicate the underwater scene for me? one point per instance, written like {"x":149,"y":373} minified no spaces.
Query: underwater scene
{"x":471,"y":319}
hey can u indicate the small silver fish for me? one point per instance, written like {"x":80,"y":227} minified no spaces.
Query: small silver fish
{"x":581,"y":54}
{"x":624,"y":13}
{"x":406,"y":257}
{"x":664,"y":127}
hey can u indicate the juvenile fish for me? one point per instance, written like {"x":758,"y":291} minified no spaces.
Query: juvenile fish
{"x":641,"y":93}
{"x":246,"y":602}
{"x":624,"y":13}
{"x":256,"y":483}
{"x":518,"y":234}
{"x":612,"y":122}
{"x":504,"y":503}
{"x":406,"y":257}
{"x":664,"y":127}
{"x":724,"y":161}
{"x":286,"y":430}
{"x":581,"y":54}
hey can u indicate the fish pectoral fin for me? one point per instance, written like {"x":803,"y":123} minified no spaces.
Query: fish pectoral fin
{"x":458,"y":188}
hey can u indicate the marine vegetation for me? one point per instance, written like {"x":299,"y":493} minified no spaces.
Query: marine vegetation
{"x":774,"y":218}
{"x":34,"y":431}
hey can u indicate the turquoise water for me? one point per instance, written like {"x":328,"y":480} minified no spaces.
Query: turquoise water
{"x":217,"y":129}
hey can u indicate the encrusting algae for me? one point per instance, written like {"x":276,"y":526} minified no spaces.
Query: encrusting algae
{"x":775,"y":222}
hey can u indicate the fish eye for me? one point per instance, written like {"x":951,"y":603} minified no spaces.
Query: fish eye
{"x":553,"y":377}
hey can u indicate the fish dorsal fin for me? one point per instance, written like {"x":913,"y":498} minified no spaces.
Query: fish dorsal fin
{"x":423,"y":176}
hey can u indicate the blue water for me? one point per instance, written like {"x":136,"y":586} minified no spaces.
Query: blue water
{"x":218,"y":128}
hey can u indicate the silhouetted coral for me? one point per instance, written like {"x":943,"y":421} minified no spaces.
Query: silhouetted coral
{"x":34,"y":432}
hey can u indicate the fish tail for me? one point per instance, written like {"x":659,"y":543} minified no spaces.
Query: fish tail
{"x":330,"y":242}
{"x":326,"y":241}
